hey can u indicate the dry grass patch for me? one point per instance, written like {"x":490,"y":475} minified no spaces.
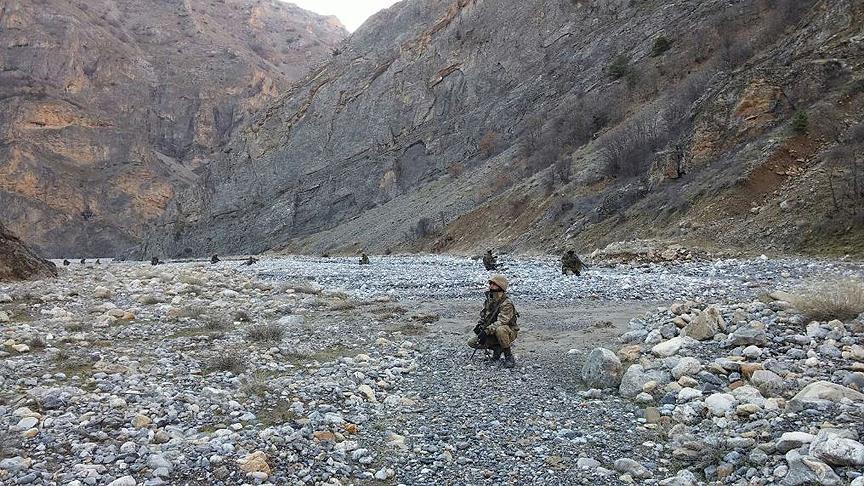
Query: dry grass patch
{"x":256,"y":384}
{"x":225,"y":362}
{"x":266,"y":333}
{"x":839,"y":299}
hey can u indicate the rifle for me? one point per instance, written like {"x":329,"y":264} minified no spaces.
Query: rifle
{"x":480,"y":328}
{"x":481,"y":338}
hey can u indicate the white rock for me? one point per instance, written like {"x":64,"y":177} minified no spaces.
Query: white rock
{"x":672,"y":346}
{"x":688,"y":394}
{"x":368,"y":392}
{"x":124,"y":481}
{"x":686,"y":367}
{"x":793,"y":440}
{"x":719,"y":404}
{"x":836,"y":450}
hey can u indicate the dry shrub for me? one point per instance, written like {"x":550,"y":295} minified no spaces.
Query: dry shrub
{"x":266,"y":333}
{"x":256,"y":384}
{"x":840,"y":299}
{"x":343,"y":305}
{"x":218,"y":323}
{"x":225,"y":362}
{"x":303,"y":288}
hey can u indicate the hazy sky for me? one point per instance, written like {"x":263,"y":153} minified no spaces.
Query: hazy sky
{"x":352,"y":13}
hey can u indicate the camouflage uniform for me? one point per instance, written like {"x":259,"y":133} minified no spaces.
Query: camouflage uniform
{"x":490,"y":261}
{"x":498,"y":323}
{"x":570,"y":263}
{"x":364,"y":259}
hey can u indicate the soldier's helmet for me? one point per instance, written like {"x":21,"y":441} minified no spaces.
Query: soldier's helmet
{"x":501,"y":281}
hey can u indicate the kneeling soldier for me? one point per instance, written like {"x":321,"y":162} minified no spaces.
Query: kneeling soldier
{"x":497,"y":328}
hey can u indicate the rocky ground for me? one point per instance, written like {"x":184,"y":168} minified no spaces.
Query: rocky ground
{"x":321,"y":371}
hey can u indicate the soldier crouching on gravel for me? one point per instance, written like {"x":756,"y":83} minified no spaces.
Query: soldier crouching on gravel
{"x":497,"y":328}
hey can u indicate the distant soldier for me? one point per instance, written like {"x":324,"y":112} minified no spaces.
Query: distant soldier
{"x":214,"y":259}
{"x":98,"y":262}
{"x":571,"y":264}
{"x":155,"y":261}
{"x":490,"y":261}
{"x":251,"y":261}
{"x":497,"y":327}
{"x":364,"y":259}
{"x":83,"y":261}
{"x":66,"y":263}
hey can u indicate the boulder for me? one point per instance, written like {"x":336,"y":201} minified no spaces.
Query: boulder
{"x":793,"y":440}
{"x":602,"y":369}
{"x":686,"y":367}
{"x":719,"y":404}
{"x":768,"y":383}
{"x":822,"y":393}
{"x":636,"y":377}
{"x":706,"y":324}
{"x":832,"y":448}
{"x":806,"y":470}
{"x":672,"y":346}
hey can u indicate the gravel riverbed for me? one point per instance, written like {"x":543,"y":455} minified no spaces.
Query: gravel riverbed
{"x":321,"y":371}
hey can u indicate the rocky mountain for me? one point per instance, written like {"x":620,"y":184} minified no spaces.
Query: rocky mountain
{"x":461,"y":124}
{"x":107,"y":107}
{"x":17,"y":262}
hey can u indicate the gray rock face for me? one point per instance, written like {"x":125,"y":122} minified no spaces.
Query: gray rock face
{"x":602,"y":369}
{"x":454,"y":103}
{"x":110,"y":106}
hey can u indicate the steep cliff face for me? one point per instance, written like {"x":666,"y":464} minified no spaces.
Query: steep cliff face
{"x":454,"y":125}
{"x":108,"y":107}
{"x":17,"y":262}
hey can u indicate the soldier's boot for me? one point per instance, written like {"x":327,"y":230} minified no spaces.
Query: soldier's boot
{"x":496,"y":354}
{"x":509,"y":362}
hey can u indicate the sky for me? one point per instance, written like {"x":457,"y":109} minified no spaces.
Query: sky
{"x":351,"y":13}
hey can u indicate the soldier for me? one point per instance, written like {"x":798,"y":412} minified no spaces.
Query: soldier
{"x":251,"y":261}
{"x":155,"y":261}
{"x":83,"y":261}
{"x":98,"y":262}
{"x":497,"y":327}
{"x":214,"y":259}
{"x":571,"y":264}
{"x":364,"y":259}
{"x":66,"y":263}
{"x":490,"y":261}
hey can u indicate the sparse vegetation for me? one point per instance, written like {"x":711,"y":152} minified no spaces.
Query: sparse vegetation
{"x":840,"y":299}
{"x":423,"y":228}
{"x":628,"y":149}
{"x":256,"y":384}
{"x":271,"y":332}
{"x":75,"y":327}
{"x":490,"y":145}
{"x":217,"y":324}
{"x":343,"y":305}
{"x":225,"y":362}
{"x":800,"y":121}
{"x":661,"y":45}
{"x":619,"y":66}
{"x":36,"y":343}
